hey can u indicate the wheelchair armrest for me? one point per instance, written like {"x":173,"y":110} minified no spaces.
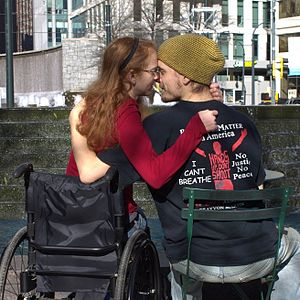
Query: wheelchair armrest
{"x":112,"y":175}
{"x":23,"y":169}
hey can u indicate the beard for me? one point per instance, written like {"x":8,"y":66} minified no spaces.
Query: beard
{"x":170,"y":97}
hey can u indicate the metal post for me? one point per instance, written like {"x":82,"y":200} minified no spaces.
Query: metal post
{"x":243,"y":74}
{"x":252,"y":67}
{"x":252,"y":73}
{"x":273,"y":53}
{"x":107,"y":23}
{"x":70,"y":29}
{"x":243,"y":77}
{"x":9,"y":54}
{"x":53,"y":19}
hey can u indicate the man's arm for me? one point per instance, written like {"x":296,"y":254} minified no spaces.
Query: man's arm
{"x":116,"y":157}
{"x":158,"y":131}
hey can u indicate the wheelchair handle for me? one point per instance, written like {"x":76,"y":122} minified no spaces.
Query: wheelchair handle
{"x":23,"y":169}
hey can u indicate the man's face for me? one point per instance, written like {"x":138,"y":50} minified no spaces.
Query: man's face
{"x":170,"y":83}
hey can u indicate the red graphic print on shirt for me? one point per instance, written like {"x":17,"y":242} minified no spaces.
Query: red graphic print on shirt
{"x":220,"y":163}
{"x":220,"y":168}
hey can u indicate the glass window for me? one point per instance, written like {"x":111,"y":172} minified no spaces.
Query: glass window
{"x":225,"y":12}
{"x":289,"y":8}
{"x":76,"y":4}
{"x":78,"y":26}
{"x":255,"y":46}
{"x":223,"y":44}
{"x":283,"y":41}
{"x":238,"y":42}
{"x":137,"y":10}
{"x":229,"y":96}
{"x":294,"y":84}
{"x":50,"y":37}
{"x":266,"y":13}
{"x":254,"y":14}
{"x":240,"y":13}
{"x":59,"y":4}
{"x":268,"y":49}
{"x":210,"y":3}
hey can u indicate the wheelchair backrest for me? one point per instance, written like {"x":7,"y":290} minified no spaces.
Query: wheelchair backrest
{"x":74,"y":230}
{"x":68,"y":213}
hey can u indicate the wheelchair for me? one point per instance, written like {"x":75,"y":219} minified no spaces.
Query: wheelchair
{"x":75,"y":242}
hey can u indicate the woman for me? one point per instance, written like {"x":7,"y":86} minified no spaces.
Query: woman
{"x":109,"y":115}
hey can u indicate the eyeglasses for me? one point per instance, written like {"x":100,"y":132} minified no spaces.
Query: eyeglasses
{"x":155,"y":71}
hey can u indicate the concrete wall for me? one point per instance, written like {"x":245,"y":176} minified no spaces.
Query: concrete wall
{"x":41,"y":136}
{"x":80,"y":63}
{"x":35,"y":71}
{"x":70,"y":67}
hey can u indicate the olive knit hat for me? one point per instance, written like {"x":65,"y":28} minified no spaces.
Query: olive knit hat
{"x":193,"y":56}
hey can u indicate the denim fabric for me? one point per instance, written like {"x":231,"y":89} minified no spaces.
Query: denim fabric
{"x":288,"y":285}
{"x":194,"y":291}
{"x":139,"y":220}
{"x":286,"y":288}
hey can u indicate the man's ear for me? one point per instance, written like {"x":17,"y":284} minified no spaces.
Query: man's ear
{"x":186,"y":80}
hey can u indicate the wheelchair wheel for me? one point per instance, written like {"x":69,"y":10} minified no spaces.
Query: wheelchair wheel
{"x":139,"y":270}
{"x":13,"y":262}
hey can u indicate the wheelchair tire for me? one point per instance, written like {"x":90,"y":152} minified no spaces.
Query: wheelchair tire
{"x":13,"y":262}
{"x":139,"y":270}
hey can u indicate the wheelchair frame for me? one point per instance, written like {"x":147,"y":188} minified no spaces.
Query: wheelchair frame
{"x":138,"y":269}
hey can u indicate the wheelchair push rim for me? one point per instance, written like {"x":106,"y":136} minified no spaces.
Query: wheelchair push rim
{"x":14,"y":261}
{"x":139,"y":270}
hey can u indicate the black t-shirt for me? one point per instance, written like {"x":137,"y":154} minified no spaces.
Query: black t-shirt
{"x":229,"y":158}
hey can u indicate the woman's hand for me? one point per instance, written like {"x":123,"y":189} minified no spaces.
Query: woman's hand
{"x":209,"y":119}
{"x":215,"y":91}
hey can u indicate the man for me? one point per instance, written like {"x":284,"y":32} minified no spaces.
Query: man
{"x":229,"y":158}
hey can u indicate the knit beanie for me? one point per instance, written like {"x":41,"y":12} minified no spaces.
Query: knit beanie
{"x":193,"y":56}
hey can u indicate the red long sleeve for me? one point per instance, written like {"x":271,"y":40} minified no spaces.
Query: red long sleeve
{"x":155,"y":169}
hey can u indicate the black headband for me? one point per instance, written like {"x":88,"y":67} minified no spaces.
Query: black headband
{"x":131,"y":53}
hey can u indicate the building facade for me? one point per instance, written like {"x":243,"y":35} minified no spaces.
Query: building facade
{"x":242,"y":28}
{"x":288,"y":45}
{"x":22,"y":25}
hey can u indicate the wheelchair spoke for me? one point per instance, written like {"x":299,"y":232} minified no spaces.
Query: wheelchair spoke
{"x":139,"y":273}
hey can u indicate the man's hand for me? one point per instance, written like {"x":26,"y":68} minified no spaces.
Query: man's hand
{"x":215,"y":91}
{"x":208,"y":117}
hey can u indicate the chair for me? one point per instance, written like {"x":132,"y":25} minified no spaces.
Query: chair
{"x":277,"y":198}
{"x":76,"y":241}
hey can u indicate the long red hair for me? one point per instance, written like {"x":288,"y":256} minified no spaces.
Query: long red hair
{"x":110,"y":90}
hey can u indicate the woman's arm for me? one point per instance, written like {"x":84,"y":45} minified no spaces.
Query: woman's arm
{"x":156,"y":169}
{"x":90,"y":168}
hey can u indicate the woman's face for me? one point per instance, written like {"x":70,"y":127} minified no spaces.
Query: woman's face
{"x":143,"y":81}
